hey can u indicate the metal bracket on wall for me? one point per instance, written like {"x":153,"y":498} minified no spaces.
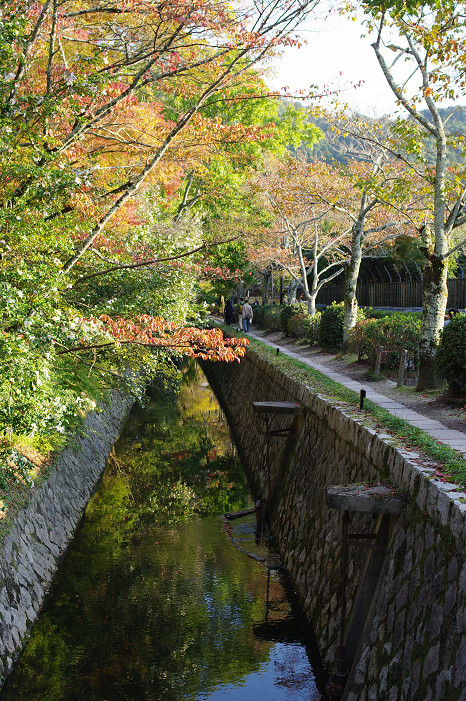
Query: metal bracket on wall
{"x":291,"y":408}
{"x":369,"y":498}
{"x":272,"y":408}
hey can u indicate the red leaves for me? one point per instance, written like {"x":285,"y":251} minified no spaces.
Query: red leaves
{"x":145,"y":330}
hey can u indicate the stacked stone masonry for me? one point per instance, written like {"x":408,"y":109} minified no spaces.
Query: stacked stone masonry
{"x":42,"y":531}
{"x":413,"y":644}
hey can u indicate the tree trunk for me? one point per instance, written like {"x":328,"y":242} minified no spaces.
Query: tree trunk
{"x":434,"y":303}
{"x":311,"y":294}
{"x":351,"y":303}
{"x":311,"y":304}
{"x":435,"y":248}
{"x":292,"y":291}
{"x":265,"y":288}
{"x":351,"y":280}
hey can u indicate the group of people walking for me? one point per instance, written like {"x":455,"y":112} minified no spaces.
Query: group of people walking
{"x":244,"y":311}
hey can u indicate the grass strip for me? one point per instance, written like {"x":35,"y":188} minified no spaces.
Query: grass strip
{"x":450,"y":463}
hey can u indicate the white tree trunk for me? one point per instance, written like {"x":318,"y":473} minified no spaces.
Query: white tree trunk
{"x":311,"y":304}
{"x":292,"y":291}
{"x":434,"y":303}
{"x":351,"y":281}
{"x":435,"y":291}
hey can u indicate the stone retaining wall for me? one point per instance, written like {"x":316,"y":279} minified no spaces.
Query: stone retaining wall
{"x":30,"y":554}
{"x":412,"y":645}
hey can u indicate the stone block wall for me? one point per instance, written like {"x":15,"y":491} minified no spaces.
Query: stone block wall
{"x":413,"y":645}
{"x":31,"y":552}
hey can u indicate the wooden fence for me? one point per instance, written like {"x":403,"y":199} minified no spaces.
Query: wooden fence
{"x":394,"y":294}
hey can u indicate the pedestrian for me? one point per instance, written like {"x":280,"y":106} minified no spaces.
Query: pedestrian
{"x":451,"y":314}
{"x":240,"y":312}
{"x":228,"y":312}
{"x":246,"y":315}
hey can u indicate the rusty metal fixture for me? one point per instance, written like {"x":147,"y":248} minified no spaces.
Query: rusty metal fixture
{"x":261,"y":512}
{"x":336,"y":685}
{"x":292,"y":408}
{"x":267,"y":408}
{"x":334,"y":688}
{"x":267,"y":453}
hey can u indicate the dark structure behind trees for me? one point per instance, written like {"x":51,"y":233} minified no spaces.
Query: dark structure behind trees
{"x":394,"y":294}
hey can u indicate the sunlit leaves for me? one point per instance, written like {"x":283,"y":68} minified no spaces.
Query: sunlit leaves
{"x":155,"y":332}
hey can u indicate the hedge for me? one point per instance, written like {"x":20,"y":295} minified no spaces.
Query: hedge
{"x":331,"y":325}
{"x":394,"y":333}
{"x":450,"y":358}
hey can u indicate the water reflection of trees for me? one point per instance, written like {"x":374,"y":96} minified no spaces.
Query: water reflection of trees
{"x":145,"y":610}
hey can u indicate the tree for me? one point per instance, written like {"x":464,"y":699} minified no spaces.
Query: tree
{"x":300,"y":239}
{"x":370,"y":188}
{"x":351,"y":200}
{"x":107,"y":108}
{"x":429,"y":40}
{"x":91,"y":82}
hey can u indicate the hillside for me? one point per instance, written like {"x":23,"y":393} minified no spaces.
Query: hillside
{"x":334,"y":147}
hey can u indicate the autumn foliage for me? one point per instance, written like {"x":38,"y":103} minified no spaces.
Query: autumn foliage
{"x":155,"y":332}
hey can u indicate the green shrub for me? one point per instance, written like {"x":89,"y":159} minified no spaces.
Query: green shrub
{"x":394,"y":333}
{"x":259,"y":312}
{"x":286,"y":312}
{"x":331,"y":325}
{"x":370,"y":313}
{"x":451,"y":354}
{"x":313,"y":335}
{"x":299,"y":325}
{"x":358,"y":341}
{"x":271,"y":319}
{"x":14,"y":467}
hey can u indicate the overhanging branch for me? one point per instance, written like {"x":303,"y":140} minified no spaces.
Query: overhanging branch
{"x":152,"y":261}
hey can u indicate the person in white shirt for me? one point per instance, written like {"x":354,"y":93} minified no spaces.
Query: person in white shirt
{"x":246,"y":315}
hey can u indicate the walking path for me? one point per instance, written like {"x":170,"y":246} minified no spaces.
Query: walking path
{"x":452,"y":438}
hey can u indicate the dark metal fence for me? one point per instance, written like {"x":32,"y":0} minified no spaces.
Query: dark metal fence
{"x":394,"y":294}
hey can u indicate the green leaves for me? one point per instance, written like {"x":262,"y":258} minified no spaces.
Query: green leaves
{"x":450,"y":358}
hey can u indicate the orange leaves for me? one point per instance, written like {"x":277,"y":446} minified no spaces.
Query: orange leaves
{"x":113,"y":90}
{"x":155,"y":332}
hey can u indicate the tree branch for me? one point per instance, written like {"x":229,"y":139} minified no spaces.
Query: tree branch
{"x":152,"y":261}
{"x":22,"y":65}
{"x":397,"y":91}
{"x":460,"y":245}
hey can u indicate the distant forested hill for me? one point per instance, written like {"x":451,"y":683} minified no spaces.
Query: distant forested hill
{"x":332,"y":147}
{"x":455,"y":126}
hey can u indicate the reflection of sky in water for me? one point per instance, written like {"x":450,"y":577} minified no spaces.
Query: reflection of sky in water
{"x":285,"y":676}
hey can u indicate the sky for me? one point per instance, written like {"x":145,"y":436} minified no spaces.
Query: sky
{"x":335,"y":46}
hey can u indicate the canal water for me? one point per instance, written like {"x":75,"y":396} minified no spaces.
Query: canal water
{"x":156,"y":598}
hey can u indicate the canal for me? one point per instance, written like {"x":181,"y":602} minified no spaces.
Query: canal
{"x":153,"y":599}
